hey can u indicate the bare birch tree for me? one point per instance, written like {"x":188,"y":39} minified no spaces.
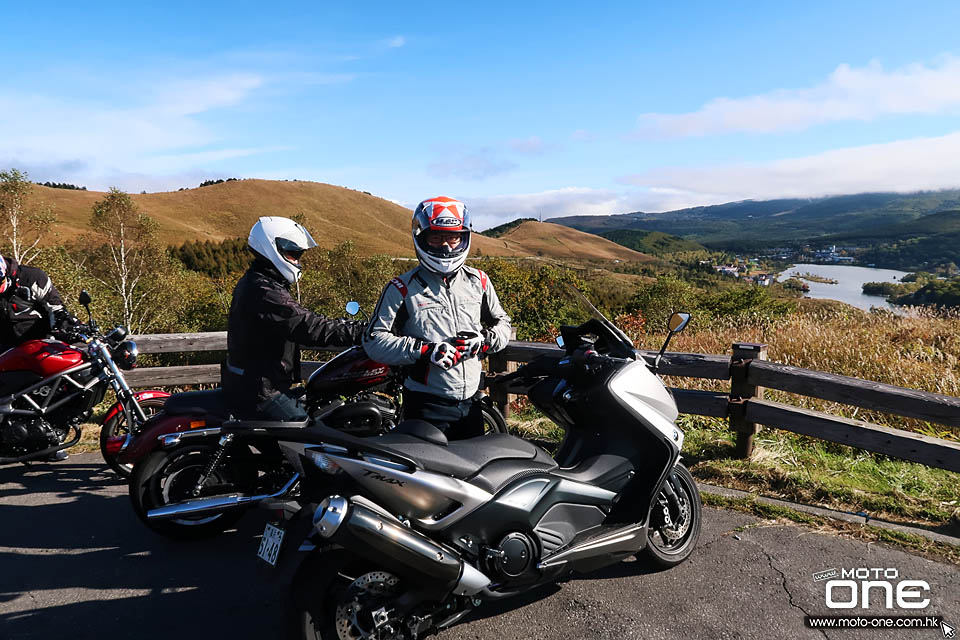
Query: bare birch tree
{"x":24,"y":225}
{"x":130,"y":262}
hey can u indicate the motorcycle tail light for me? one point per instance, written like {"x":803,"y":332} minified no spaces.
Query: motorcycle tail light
{"x":115,"y":444}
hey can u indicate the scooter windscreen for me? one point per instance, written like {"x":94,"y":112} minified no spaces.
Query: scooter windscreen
{"x":596,"y":329}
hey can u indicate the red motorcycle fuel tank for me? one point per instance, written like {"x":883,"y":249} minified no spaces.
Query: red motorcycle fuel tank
{"x":347,"y":373}
{"x":42,"y":357}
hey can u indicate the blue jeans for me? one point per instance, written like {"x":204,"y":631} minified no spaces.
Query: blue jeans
{"x":458,"y":420}
{"x":283,"y":407}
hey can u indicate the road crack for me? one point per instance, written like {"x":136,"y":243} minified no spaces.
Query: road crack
{"x":783,"y":583}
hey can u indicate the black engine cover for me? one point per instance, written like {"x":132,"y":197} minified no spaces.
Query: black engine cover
{"x":513,"y":557}
{"x":20,"y":437}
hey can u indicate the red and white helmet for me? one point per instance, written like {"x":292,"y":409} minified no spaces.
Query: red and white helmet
{"x":444,"y":215}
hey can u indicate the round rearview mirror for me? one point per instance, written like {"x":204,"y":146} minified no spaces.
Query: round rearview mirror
{"x":678,"y":321}
{"x":353,"y":307}
{"x":84,"y":298}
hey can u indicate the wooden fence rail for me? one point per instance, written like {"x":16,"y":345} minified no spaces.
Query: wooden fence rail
{"x":744,"y":406}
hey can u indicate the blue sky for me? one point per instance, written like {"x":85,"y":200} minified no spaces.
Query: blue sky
{"x":518,"y":109}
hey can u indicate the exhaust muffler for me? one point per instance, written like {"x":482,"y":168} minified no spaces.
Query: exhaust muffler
{"x":385,"y":540}
{"x":216,"y":504}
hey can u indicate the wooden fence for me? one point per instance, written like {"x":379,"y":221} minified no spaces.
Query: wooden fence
{"x":744,"y":405}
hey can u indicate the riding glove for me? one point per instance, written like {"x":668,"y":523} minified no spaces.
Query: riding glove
{"x":471,"y":344}
{"x":442,"y":354}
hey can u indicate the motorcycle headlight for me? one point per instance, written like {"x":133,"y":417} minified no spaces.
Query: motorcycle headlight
{"x":125,"y":354}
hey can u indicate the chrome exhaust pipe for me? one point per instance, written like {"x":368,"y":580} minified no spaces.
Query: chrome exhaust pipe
{"x":387,"y":541}
{"x":216,"y":504}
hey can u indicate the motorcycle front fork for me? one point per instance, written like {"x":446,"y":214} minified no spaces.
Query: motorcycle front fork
{"x":212,"y":465}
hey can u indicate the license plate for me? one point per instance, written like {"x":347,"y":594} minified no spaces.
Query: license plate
{"x":270,"y":544}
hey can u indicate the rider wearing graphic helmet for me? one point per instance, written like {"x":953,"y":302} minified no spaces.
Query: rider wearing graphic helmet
{"x":441,"y":234}
{"x":30,"y":306}
{"x":266,"y":327}
{"x":439,"y":319}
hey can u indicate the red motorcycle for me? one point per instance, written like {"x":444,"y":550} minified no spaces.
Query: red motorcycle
{"x":49,"y":388}
{"x":196,"y":471}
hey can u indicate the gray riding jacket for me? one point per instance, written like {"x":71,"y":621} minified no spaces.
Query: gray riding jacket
{"x":421,"y":307}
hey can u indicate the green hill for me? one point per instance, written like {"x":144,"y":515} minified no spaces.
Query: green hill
{"x":500,"y":230}
{"x":653,"y":242}
{"x":750,"y":224}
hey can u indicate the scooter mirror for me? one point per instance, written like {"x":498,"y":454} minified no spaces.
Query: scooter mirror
{"x":353,"y":307}
{"x":560,"y":341}
{"x":85,"y":298}
{"x":678,"y":321}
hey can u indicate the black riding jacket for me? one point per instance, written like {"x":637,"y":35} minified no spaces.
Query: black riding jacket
{"x":30,"y":307}
{"x":265,"y":331}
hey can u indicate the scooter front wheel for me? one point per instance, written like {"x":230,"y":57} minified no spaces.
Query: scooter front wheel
{"x":675,"y":519}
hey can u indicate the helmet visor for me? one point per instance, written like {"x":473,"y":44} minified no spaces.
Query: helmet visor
{"x":289,"y":249}
{"x":443,"y":244}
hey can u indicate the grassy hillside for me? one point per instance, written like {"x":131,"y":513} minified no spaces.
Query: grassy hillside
{"x":228,"y":210}
{"x":556,"y":241}
{"x":499,"y":230}
{"x":333,"y":214}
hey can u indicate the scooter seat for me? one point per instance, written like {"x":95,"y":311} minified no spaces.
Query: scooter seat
{"x":460,"y":458}
{"x":210,"y":402}
{"x":423,"y":430}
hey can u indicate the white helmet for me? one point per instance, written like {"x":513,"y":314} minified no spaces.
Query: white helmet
{"x":444,"y":216}
{"x":274,"y":238}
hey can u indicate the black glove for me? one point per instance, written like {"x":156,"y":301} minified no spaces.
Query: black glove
{"x":65,"y":321}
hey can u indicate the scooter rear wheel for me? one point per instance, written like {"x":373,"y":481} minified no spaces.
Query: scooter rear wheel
{"x":333,"y":594}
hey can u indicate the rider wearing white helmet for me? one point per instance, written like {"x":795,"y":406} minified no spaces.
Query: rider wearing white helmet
{"x":267,"y":327}
{"x":439,"y":318}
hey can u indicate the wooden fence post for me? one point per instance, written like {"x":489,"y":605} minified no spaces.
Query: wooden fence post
{"x":498,"y":363}
{"x":740,"y":391}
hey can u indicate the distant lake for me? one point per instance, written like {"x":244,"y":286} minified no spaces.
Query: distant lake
{"x":849,"y":287}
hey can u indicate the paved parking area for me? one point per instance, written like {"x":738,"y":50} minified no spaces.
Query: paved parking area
{"x":75,"y":562}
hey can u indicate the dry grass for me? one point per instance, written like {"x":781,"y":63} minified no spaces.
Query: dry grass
{"x":558,"y":241}
{"x":920,"y":351}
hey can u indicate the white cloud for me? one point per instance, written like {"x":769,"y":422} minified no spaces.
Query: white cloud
{"x":533,"y":146}
{"x":902,"y":166}
{"x":95,"y":141}
{"x":396,"y":42}
{"x":849,"y":93}
{"x":470,"y":165}
{"x":909,"y":165}
{"x":570,"y":201}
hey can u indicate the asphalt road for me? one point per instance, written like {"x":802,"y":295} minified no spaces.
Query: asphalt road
{"x":75,"y":562}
